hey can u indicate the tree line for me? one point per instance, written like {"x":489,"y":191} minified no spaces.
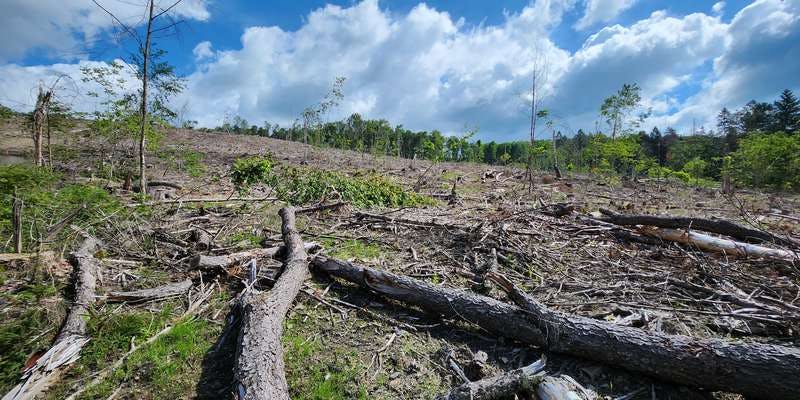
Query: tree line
{"x":757,"y":145}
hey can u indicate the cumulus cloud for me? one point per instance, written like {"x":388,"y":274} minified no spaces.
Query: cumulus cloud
{"x":64,"y":27}
{"x":427,"y":70}
{"x":761,"y":58}
{"x":597,"y":11}
{"x":422,"y":69}
{"x":202,"y":51}
{"x":718,"y":7}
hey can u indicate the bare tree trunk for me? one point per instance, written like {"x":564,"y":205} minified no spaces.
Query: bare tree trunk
{"x":39,"y":122}
{"x":533,"y":129}
{"x":762,"y":371}
{"x":143,"y":108}
{"x":16,"y":222}
{"x":718,"y":245}
{"x":259,"y":370}
{"x":720,"y":226}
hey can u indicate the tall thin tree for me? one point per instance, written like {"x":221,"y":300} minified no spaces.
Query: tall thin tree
{"x":146,"y":53}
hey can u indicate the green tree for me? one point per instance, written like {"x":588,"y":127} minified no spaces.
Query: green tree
{"x":617,"y":108}
{"x":787,"y":113}
{"x":768,"y":160}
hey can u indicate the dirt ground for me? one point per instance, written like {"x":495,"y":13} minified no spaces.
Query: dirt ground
{"x":343,"y":342}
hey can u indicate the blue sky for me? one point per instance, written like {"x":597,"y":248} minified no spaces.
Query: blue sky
{"x":439,"y":65}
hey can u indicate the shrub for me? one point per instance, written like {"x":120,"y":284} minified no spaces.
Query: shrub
{"x":251,"y":170}
{"x":767,"y":160}
{"x":300,"y":186}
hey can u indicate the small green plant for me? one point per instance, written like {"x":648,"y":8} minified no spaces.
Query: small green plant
{"x":352,"y":248}
{"x":248,"y":171}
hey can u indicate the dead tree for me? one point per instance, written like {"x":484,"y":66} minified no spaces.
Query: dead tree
{"x":16,"y":222}
{"x":260,"y":371}
{"x":72,"y":337}
{"x":718,"y":245}
{"x":720,"y":226}
{"x":761,"y":371}
{"x":39,"y":123}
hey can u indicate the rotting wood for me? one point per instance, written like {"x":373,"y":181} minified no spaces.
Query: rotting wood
{"x":260,"y":369}
{"x":72,"y":337}
{"x":156,"y":293}
{"x":718,"y":245}
{"x":761,"y":371}
{"x":720,"y":226}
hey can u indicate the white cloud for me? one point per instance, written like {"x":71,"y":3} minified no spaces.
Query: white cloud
{"x":761,"y":58}
{"x":65,"y":27}
{"x":597,"y":11}
{"x":718,"y":7}
{"x":202,"y":51}
{"x":425,"y":70}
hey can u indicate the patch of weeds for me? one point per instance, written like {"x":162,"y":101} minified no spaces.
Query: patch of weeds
{"x":245,"y":237}
{"x":351,"y":248}
{"x":46,"y":203}
{"x":334,"y":379}
{"x":20,"y":336}
{"x":248,"y":171}
{"x":167,"y":368}
{"x":183,"y":159}
{"x":305,"y":185}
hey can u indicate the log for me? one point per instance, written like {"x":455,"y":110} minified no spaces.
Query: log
{"x":72,"y":337}
{"x":260,"y":370}
{"x":157,"y":293}
{"x":718,"y":245}
{"x":499,"y":387}
{"x":719,"y":226}
{"x":762,"y":371}
{"x":210,"y":263}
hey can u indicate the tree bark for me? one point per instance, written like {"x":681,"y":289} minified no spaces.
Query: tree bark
{"x":156,"y":293}
{"x":759,"y":370}
{"x":16,"y":222}
{"x":70,"y":340}
{"x":259,"y":370}
{"x":719,"y":226}
{"x":209,"y":263}
{"x":718,"y":245}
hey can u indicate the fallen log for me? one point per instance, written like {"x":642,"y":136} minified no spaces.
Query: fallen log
{"x":259,"y":372}
{"x":529,"y":379}
{"x":72,"y":337}
{"x":718,"y":245}
{"x":209,"y":263}
{"x":762,"y":371}
{"x":156,"y":293}
{"x":719,"y":226}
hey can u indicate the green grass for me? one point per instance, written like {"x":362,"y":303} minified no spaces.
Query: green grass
{"x":351,"y":248}
{"x":168,"y":368}
{"x":28,"y":317}
{"x":318,"y":372}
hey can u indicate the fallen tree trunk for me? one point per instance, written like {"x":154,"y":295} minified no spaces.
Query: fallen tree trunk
{"x":759,"y":370}
{"x":72,"y":337}
{"x":717,"y":245}
{"x":259,"y":372}
{"x":527,"y":379}
{"x":157,"y":293}
{"x":208,"y":263}
{"x":719,"y":226}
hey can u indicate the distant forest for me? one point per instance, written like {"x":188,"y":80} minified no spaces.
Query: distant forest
{"x":757,"y":145}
